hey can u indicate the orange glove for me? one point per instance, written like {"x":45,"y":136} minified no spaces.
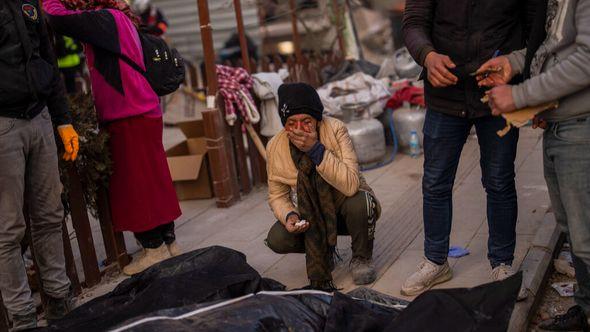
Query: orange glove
{"x":70,"y":139}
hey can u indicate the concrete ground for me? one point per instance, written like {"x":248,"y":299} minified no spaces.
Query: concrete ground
{"x":399,"y":236}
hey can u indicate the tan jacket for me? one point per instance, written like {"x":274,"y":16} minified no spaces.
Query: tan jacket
{"x":339,"y":167}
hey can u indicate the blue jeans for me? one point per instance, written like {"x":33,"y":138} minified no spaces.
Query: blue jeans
{"x":566,"y":147}
{"x":444,"y":138}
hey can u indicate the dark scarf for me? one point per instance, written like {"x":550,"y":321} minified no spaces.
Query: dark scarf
{"x":537,"y":36}
{"x":316,"y":205}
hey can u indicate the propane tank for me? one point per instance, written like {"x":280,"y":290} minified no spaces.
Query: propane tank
{"x":405,"y":66}
{"x":405,"y":120}
{"x":366,"y":133}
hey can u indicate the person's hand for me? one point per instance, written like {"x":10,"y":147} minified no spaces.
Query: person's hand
{"x":70,"y":139}
{"x":539,"y":123}
{"x":293,"y":228}
{"x":495,"y":72}
{"x":302,"y":139}
{"x":501,"y":100}
{"x":438,"y":66}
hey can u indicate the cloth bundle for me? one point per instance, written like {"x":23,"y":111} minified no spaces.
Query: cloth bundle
{"x":357,"y":89}
{"x":234,"y":87}
{"x":266,"y":87}
{"x":411,"y":94}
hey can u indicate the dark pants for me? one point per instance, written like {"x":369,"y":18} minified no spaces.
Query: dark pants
{"x":444,"y":137}
{"x":356,"y":217}
{"x":154,"y":238}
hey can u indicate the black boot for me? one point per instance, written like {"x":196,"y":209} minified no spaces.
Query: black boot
{"x":24,"y":322}
{"x":573,"y":320}
{"x":57,"y":308}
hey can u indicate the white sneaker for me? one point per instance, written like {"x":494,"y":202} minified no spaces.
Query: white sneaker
{"x":503,"y":272}
{"x":428,"y":275}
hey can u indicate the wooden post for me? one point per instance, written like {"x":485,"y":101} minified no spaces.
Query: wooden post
{"x":115,"y":254}
{"x":338,"y":20}
{"x":221,"y":158}
{"x":82,"y":227}
{"x":70,"y":262}
{"x":296,"y":36}
{"x":242,"y":36}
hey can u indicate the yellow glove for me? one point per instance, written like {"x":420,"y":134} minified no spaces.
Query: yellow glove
{"x":70,"y":139}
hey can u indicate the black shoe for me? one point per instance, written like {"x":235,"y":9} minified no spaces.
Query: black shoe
{"x":24,"y":322}
{"x":57,"y":308}
{"x":573,"y":320}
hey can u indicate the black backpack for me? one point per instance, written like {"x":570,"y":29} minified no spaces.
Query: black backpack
{"x":164,"y":66}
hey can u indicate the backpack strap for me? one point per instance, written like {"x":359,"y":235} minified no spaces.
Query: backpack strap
{"x":133,"y":65}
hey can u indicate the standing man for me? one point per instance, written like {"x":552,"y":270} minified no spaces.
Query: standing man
{"x":558,"y":70}
{"x":31,"y":97}
{"x":451,"y":39}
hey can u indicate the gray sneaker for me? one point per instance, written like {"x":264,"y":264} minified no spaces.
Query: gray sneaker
{"x":428,"y":275}
{"x":363,"y":271}
{"x":24,"y":322}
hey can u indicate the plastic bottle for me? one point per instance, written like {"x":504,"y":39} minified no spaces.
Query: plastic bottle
{"x":415,"y":150}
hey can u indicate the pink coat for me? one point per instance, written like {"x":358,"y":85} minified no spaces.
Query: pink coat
{"x":119,"y":91}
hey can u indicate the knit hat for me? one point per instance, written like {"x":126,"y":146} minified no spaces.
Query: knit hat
{"x":299,"y":98}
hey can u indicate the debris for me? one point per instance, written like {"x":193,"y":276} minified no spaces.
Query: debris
{"x":566,"y":255}
{"x":565,"y":289}
{"x":458,"y":252}
{"x":563,"y":267}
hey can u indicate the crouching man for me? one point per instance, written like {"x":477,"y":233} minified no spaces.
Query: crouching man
{"x":316,"y":190}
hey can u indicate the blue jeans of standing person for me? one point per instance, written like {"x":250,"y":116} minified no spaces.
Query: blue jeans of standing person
{"x":566,"y":148}
{"x":444,"y":138}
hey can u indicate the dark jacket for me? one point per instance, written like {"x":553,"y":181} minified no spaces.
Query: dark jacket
{"x":30,"y":78}
{"x":469,"y":32}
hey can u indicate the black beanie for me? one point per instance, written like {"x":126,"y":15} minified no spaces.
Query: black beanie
{"x":299,"y":98}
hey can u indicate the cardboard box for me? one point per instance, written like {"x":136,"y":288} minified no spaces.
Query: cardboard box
{"x":189,"y":165}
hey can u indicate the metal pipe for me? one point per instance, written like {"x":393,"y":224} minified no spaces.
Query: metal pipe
{"x":296,"y":36}
{"x":242,"y":35}
{"x":336,"y":10}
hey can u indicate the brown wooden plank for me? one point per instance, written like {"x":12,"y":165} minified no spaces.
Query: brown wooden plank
{"x":123,"y":258}
{"x":82,"y":228}
{"x":254,"y":161}
{"x":217,"y":134}
{"x":71,"y":270}
{"x":241,"y":157}
{"x":263,"y":178}
{"x":106,"y":226}
{"x":219,"y":159}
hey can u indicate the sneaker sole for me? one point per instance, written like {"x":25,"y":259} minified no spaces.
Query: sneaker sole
{"x":439,"y":280}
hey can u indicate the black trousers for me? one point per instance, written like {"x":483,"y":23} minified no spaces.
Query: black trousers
{"x":154,"y":238}
{"x":356,"y":217}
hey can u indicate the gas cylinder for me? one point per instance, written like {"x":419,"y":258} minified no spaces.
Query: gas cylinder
{"x":366,"y":133}
{"x":405,"y":66}
{"x":405,"y":120}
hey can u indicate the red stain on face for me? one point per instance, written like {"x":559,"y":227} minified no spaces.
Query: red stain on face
{"x":301,"y":122}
